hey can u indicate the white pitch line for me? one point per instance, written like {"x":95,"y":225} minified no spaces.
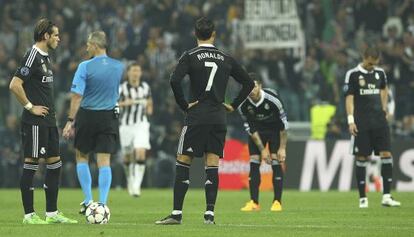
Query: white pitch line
{"x":283,"y":226}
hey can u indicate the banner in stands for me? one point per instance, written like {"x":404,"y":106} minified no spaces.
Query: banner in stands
{"x":317,"y":165}
{"x":271,"y":24}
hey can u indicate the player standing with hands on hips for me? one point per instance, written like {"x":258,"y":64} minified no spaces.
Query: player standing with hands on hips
{"x":205,"y":129}
{"x":32,"y":85}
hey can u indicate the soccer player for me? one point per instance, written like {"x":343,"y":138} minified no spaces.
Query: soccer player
{"x":366,"y":105}
{"x":205,"y":130}
{"x":266,"y":123}
{"x":95,"y":93}
{"x":32,"y":85}
{"x":136,"y":104}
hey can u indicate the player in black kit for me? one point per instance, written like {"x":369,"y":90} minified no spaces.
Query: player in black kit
{"x":366,"y":105}
{"x":32,"y":85}
{"x":204,"y":132}
{"x":266,"y":123}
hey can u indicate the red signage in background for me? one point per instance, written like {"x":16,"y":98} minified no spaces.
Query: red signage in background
{"x":234,"y":168}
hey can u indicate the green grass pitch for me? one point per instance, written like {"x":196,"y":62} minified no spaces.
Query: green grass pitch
{"x":304,"y":214}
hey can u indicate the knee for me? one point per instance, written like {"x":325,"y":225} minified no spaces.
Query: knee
{"x":184,"y":159}
{"x":31,"y":160}
{"x":81,"y":157}
{"x":255,"y":159}
{"x":52,"y":160}
{"x":385,"y":154}
{"x":361,"y":158}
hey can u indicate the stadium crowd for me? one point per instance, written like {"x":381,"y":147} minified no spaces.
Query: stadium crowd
{"x":156,"y":33}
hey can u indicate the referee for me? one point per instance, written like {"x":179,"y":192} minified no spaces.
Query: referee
{"x":95,"y":90}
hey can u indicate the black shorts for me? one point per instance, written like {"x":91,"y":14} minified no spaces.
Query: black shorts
{"x":195,"y":140}
{"x":370,"y":140}
{"x":271,"y":138}
{"x":40,"y":141}
{"x":96,"y":131}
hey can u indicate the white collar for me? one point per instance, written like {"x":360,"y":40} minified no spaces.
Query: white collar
{"x":206,"y":45}
{"x":40,"y":51}
{"x":260,"y":100}
{"x":363,"y":70}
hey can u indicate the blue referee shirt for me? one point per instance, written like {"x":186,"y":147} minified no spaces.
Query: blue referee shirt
{"x":97,"y":81}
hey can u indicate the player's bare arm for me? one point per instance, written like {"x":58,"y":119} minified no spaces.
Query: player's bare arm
{"x":192,"y":104}
{"x":264,"y":153}
{"x":16,"y":86}
{"x":126,"y":102}
{"x":228,"y":107}
{"x":281,"y":153}
{"x":68,"y":131}
{"x":150,"y":106}
{"x":349,"y":104}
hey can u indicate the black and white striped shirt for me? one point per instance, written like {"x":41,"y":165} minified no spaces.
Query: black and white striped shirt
{"x":136,"y":113}
{"x":267,"y":115}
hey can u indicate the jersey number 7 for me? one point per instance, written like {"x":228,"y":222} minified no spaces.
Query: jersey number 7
{"x":213,"y":71}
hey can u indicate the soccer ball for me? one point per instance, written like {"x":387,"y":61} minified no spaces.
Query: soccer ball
{"x":97,"y":213}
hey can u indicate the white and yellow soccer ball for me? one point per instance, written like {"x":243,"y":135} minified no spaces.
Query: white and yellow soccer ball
{"x":97,"y":213}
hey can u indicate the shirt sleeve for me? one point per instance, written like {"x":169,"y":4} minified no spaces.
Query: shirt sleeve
{"x":280,"y":108}
{"x":349,"y":86}
{"x":79,"y":80}
{"x":241,"y":76}
{"x":175,"y":81}
{"x":26,"y":67}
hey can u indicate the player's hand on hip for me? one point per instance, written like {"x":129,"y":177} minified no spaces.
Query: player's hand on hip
{"x":281,"y":155}
{"x":265,"y":155}
{"x":68,"y":131}
{"x":228,"y":107}
{"x":40,"y":110}
{"x":192,"y":104}
{"x":353,"y":129}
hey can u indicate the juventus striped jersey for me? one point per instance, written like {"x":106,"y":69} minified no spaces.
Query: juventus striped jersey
{"x":209,"y":70}
{"x":36,"y":72}
{"x":266,"y":115}
{"x":136,"y":113}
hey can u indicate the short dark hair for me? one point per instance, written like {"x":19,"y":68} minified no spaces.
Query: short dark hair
{"x":133,"y":64}
{"x":204,"y":28}
{"x":255,"y":77}
{"x":42,"y":27}
{"x":372,"y":51}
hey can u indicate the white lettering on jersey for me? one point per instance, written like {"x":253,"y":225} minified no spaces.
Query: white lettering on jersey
{"x":210,"y":55}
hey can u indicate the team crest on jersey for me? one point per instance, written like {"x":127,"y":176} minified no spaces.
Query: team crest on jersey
{"x":250,"y":109}
{"x":24,"y":71}
{"x":362,"y":81}
{"x":377,"y":76}
{"x":42,"y":150}
{"x":266,"y":106}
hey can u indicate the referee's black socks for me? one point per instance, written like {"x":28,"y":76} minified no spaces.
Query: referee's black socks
{"x":361,"y":172}
{"x":51,"y":185}
{"x":182,"y":181}
{"x":254,"y":180}
{"x":26,"y":186}
{"x":386,"y":172}
{"x":211,"y":187}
